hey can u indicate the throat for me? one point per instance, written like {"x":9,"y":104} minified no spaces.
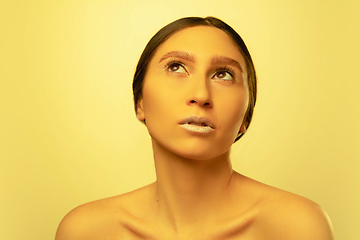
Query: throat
{"x":189,"y":190}
{"x":190,"y":206}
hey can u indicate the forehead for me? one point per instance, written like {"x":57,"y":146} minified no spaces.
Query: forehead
{"x":203,"y":42}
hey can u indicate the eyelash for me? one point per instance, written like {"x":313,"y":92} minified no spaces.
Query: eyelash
{"x":222,"y":69}
{"x":173,"y":61}
{"x":226,"y":69}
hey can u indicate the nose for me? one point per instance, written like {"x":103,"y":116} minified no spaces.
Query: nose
{"x":200,"y":93}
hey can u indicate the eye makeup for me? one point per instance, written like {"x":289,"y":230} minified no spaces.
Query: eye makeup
{"x":173,"y":62}
{"x":175,"y":65}
{"x":225,"y":69}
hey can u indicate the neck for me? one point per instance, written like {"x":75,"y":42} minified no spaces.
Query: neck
{"x":190,"y":191}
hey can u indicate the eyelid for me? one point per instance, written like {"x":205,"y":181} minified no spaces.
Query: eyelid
{"x":226,"y":69}
{"x":172,"y":61}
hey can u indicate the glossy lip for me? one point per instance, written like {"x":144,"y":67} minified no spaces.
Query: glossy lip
{"x":196,"y":119}
{"x":209,"y":126}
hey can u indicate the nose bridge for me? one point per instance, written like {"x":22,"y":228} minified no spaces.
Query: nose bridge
{"x":200,"y":92}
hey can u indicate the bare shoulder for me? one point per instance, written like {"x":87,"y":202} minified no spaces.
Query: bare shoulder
{"x":285,"y":215}
{"x":108,"y":218}
{"x":88,"y":220}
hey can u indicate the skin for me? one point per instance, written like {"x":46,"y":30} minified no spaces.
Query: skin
{"x":197,"y":195}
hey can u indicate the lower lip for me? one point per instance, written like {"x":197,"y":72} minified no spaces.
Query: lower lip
{"x":197,"y":128}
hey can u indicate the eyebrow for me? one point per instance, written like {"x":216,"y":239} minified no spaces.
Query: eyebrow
{"x":178,"y":54}
{"x":216,"y":60}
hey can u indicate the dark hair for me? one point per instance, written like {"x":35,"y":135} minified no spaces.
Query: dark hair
{"x":187,"y":22}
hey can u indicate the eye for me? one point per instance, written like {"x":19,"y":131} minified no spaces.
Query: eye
{"x":224,"y":74}
{"x":175,"y":67}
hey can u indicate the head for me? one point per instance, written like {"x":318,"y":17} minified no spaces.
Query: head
{"x":163,"y":34}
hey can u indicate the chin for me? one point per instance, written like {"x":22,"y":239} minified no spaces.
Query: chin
{"x":193,"y":147}
{"x":200,"y":151}
{"x":206,"y":156}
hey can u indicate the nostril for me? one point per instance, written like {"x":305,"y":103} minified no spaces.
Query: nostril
{"x":205,"y":103}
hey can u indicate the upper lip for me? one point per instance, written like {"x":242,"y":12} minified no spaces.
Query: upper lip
{"x":197,"y":119}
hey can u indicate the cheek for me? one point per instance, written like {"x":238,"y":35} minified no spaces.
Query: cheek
{"x":158,"y":103}
{"x":233,"y":109}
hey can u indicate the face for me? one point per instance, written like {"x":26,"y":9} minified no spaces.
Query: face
{"x":195,"y":93}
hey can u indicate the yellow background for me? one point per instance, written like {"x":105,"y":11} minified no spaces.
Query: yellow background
{"x":68,"y":132}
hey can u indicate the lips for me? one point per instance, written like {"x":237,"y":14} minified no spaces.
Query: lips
{"x":197,"y":124}
{"x":200,"y":121}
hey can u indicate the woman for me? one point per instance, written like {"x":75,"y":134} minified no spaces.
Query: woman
{"x":195,"y":90}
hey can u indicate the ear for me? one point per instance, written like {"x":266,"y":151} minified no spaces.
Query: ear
{"x":243,"y":127}
{"x":140,"y":114}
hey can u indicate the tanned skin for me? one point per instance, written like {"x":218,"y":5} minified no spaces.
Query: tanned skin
{"x":197,"y":195}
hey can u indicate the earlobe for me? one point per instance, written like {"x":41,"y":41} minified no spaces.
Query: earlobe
{"x":140,"y":114}
{"x":243,"y":128}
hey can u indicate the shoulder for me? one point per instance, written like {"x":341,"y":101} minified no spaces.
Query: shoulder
{"x":108,"y":218}
{"x":85,"y":221}
{"x":289,"y":216}
{"x":284,"y":215}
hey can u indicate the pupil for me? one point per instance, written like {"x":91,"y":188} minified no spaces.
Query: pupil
{"x":174,"y":67}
